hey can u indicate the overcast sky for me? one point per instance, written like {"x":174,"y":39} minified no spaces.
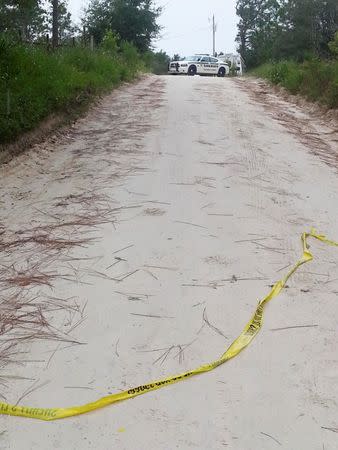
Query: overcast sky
{"x":186,"y":26}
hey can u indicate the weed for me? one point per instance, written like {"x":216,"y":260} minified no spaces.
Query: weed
{"x":314,"y":79}
{"x":35,"y":82}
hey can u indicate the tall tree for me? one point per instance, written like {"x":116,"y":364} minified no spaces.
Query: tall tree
{"x":55,"y":24}
{"x":22,"y":18}
{"x":63,"y":26}
{"x":134,"y":21}
{"x":258,"y":28}
{"x":66,"y":26}
{"x":309,"y":27}
{"x":276,"y":29}
{"x":327,"y":24}
{"x":245,"y":11}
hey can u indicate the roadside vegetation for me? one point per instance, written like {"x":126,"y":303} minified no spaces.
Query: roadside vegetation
{"x":293,"y":44}
{"x":35,"y":83}
{"x":314,"y":79}
{"x":41,"y":74}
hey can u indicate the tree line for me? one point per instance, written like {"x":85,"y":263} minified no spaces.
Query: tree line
{"x":134,"y":21}
{"x":285,"y":29}
{"x":31,"y":20}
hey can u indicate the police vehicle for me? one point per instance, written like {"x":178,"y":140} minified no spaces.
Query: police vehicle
{"x":199,"y":65}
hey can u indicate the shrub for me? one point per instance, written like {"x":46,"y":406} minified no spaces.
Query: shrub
{"x":314,"y":79}
{"x":35,"y":82}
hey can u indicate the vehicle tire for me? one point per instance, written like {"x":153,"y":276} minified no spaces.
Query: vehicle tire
{"x":192,"y":70}
{"x":221,"y":72}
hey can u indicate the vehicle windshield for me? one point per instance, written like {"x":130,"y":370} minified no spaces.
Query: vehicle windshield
{"x":191,"y":58}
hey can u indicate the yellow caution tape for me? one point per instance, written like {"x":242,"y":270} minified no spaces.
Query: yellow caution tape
{"x":244,"y":339}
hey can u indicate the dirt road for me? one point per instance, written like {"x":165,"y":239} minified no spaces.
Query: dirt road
{"x":137,"y":245}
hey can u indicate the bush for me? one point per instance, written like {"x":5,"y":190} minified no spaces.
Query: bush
{"x":110,"y":43}
{"x":156,"y":62}
{"x":333,"y":46}
{"x":314,"y":79}
{"x":34,"y":82}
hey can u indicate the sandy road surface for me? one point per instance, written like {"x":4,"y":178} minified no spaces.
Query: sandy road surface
{"x":176,"y":200}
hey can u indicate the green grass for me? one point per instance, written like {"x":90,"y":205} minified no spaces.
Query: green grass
{"x":315,"y":80}
{"x":35,"y":83}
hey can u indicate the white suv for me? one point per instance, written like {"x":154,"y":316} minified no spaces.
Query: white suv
{"x":199,"y":65}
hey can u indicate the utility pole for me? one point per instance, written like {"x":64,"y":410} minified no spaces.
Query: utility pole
{"x":214,"y":26}
{"x":55,"y":37}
